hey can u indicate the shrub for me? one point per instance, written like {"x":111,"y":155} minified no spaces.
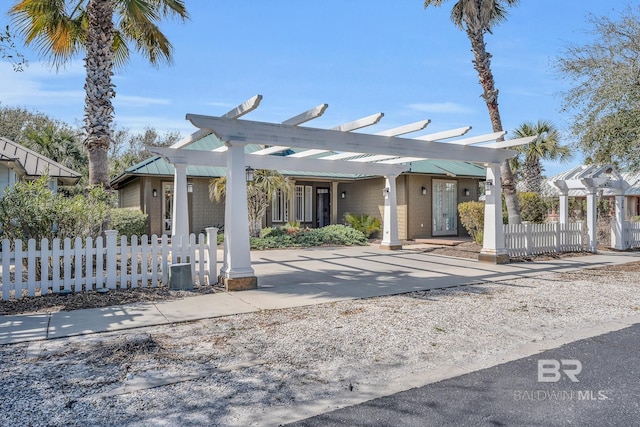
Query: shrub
{"x":29,"y":210}
{"x":307,"y":237}
{"x":364,"y":223}
{"x":129,"y":222}
{"x":532,"y":207}
{"x":472,"y":219}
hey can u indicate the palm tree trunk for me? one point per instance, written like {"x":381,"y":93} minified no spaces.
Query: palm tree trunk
{"x":98,"y":110}
{"x":482,"y":64}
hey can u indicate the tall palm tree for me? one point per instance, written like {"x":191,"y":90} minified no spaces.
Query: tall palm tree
{"x":545,"y":147}
{"x":60,"y":29}
{"x":260,"y":192}
{"x":477,"y":17}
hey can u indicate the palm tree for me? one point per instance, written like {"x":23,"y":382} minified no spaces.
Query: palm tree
{"x":477,"y":17}
{"x":260,"y":192}
{"x":61,"y":29}
{"x":545,"y":147}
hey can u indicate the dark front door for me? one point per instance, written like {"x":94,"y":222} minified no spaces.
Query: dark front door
{"x":323,"y":207}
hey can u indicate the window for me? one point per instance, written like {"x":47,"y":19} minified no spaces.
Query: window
{"x":279,"y":208}
{"x":302,"y":202}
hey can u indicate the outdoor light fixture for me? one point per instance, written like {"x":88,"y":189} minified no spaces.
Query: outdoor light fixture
{"x":487,"y":185}
{"x":385,"y":191}
{"x":250,"y":172}
{"x":189,"y":187}
{"x":154,"y":192}
{"x":343,"y":194}
{"x":424,"y":191}
{"x":467,"y":192}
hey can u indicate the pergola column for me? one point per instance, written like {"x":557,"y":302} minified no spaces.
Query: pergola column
{"x":334,"y":202}
{"x":237,"y":273}
{"x":618,"y":236}
{"x":592,"y":242}
{"x":564,"y":207}
{"x":390,"y":219}
{"x":180,"y":214}
{"x":493,"y":248}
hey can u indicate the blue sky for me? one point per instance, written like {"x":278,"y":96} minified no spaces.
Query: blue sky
{"x":361,"y":57}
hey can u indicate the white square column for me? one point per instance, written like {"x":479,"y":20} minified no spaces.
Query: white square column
{"x":493,"y":247}
{"x":237,"y":273}
{"x":390,"y":239}
{"x":564,"y":207}
{"x":592,"y":241}
{"x":180,"y":213}
{"x":619,"y":238}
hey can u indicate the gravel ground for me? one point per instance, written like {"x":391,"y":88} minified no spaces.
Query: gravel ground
{"x":235,"y":370}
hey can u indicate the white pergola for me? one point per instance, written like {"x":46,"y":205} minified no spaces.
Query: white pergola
{"x":588,"y":180}
{"x":338,"y":150}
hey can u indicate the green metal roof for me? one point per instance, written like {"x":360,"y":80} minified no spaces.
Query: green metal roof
{"x":447,"y":167}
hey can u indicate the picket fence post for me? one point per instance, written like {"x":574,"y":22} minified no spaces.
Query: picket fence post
{"x":212,"y":242}
{"x":112,"y":257}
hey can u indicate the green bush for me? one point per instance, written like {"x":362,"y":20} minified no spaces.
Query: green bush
{"x":338,"y":235}
{"x":364,"y":223}
{"x":532,"y":207}
{"x":472,"y":219}
{"x":129,"y":222}
{"x":29,"y":210}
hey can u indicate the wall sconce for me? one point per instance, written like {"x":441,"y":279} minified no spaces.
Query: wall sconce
{"x":154,"y":192}
{"x":189,"y":187}
{"x":250,"y":173}
{"x":467,"y":192}
{"x":487,"y":186}
{"x":343,"y":195}
{"x":385,"y":191}
{"x":424,"y":191}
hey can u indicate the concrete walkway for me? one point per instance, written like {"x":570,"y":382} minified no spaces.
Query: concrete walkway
{"x":294,"y":278}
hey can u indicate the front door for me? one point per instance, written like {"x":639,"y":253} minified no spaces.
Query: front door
{"x":323,"y":208}
{"x":167,"y":207}
{"x":445,"y":202}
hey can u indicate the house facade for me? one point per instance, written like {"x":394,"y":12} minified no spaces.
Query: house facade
{"x":427,"y":196}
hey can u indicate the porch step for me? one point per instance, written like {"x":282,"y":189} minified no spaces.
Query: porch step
{"x":444,"y":241}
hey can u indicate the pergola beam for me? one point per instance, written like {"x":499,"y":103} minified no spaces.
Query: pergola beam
{"x":360,"y":123}
{"x":478,"y":139}
{"x":246,"y":107}
{"x":245,"y":132}
{"x":444,"y":134}
{"x":210,"y":158}
{"x":402,"y":130}
{"x":512,"y":142}
{"x":311,"y":114}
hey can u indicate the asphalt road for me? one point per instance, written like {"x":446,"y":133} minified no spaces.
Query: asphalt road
{"x":607,"y":392}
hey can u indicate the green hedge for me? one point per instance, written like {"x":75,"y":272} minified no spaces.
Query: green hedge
{"x":129,"y":222}
{"x":331,"y":235}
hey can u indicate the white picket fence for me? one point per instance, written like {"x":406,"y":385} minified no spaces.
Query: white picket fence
{"x":534,"y":239}
{"x":77,"y":265}
{"x":632,"y":234}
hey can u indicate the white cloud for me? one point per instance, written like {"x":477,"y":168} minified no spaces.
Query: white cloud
{"x":440,"y":107}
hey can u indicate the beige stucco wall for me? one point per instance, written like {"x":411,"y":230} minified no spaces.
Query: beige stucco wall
{"x":420,"y":210}
{"x":365,"y":197}
{"x":130,"y":196}
{"x":204,"y":212}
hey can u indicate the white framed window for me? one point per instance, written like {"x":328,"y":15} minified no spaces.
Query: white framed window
{"x":302,"y":202}
{"x":279,"y":208}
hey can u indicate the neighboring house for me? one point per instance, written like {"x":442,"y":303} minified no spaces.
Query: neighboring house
{"x":427,"y":196}
{"x":18,"y":163}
